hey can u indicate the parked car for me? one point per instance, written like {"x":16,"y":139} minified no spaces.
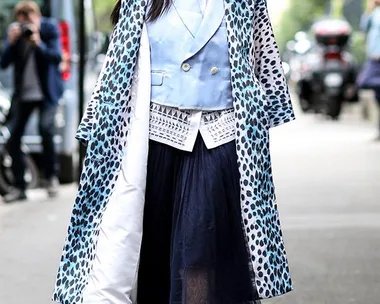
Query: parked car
{"x":66,"y":14}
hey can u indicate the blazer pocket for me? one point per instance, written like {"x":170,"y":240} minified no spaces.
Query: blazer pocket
{"x":157,"y":78}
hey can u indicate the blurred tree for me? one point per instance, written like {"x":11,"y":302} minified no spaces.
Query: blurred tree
{"x":103,"y":9}
{"x":359,"y":38}
{"x":358,"y":49}
{"x":349,"y":9}
{"x":337,"y":8}
{"x":298,"y":17}
{"x":300,"y":14}
{"x":365,"y":3}
{"x":352,"y":11}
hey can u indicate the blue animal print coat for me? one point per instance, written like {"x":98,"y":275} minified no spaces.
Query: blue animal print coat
{"x":261,"y":101}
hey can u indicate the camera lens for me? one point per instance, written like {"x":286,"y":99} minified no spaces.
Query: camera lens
{"x":26,"y":30}
{"x":28,"y":33}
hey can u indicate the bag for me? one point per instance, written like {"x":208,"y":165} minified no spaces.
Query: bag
{"x":369,"y":77}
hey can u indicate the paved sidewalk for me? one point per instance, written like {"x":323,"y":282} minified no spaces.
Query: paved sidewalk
{"x":327,"y":176}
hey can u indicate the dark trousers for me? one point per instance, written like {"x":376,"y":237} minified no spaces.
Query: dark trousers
{"x":377,"y":95}
{"x":21,"y":113}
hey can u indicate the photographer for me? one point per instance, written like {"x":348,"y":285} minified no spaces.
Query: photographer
{"x":33,"y":48}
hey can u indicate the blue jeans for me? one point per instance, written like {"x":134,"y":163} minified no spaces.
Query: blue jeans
{"x":22,"y":112}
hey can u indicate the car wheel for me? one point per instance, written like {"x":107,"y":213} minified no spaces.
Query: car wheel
{"x":6,"y":176}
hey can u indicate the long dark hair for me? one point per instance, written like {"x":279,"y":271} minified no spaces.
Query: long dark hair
{"x":157,"y":8}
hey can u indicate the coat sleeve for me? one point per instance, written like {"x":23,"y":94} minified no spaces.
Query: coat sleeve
{"x":87,"y":120}
{"x":50,"y":49}
{"x":83,"y":133}
{"x":268,"y":68}
{"x":7,"y":56}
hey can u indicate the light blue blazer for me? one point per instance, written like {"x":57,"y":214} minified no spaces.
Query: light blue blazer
{"x":196,"y":73}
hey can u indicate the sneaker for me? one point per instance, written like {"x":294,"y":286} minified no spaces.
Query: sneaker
{"x":52,"y":187}
{"x":15,"y":195}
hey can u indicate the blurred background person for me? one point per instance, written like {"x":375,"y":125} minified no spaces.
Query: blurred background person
{"x":370,"y":75}
{"x":33,"y":47}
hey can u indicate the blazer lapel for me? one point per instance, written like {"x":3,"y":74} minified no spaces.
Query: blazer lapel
{"x":185,"y":11}
{"x":213,"y":18}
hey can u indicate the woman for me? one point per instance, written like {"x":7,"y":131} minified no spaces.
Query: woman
{"x":176,"y":202}
{"x":370,"y":76}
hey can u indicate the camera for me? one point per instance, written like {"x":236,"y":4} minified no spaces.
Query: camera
{"x":26,"y":30}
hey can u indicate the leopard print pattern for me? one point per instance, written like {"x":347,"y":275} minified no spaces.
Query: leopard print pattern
{"x":261,"y":101}
{"x":103,"y":129}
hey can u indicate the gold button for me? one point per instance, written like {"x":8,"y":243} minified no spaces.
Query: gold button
{"x":214,"y":70}
{"x":186,"y":67}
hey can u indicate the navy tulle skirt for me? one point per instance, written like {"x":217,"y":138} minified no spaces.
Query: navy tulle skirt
{"x":193,"y":248}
